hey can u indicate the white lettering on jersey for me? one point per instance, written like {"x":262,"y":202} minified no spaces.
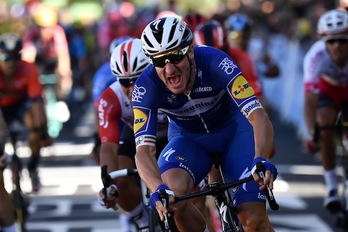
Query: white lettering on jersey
{"x":138,"y":93}
{"x":227,"y":65}
{"x":196,"y":106}
{"x":101,"y":112}
{"x":250,"y":107}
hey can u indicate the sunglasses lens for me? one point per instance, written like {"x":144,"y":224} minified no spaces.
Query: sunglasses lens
{"x":127,"y":82}
{"x":339,"y":41}
{"x":171,"y":58}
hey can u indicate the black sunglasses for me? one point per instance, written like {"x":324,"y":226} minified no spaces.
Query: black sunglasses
{"x":339,"y":41}
{"x":127,"y":82}
{"x":7,"y":57}
{"x":173,"y":57}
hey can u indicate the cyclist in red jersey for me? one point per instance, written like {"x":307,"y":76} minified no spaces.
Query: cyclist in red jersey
{"x":117,"y":149}
{"x":193,"y":19}
{"x":21,"y":98}
{"x":325,"y":69}
{"x":239,"y":29}
{"x":46,"y":45}
{"x":7,"y":220}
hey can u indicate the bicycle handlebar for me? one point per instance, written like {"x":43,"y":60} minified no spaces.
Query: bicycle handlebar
{"x":107,"y":177}
{"x":217,"y":187}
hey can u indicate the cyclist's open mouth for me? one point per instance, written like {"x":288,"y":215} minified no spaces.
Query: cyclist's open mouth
{"x":174,"y":81}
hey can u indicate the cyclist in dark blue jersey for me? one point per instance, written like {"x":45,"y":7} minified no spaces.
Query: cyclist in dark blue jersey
{"x":213,"y":111}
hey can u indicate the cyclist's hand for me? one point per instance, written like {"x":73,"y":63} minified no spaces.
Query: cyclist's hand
{"x":311,"y":146}
{"x":155,"y":200}
{"x":270,"y":174}
{"x":110,"y":200}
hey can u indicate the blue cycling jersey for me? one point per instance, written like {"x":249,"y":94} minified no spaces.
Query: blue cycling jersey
{"x":219,"y":92}
{"x":102,"y":79}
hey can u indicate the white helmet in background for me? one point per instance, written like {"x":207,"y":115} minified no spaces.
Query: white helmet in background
{"x":333,"y":24}
{"x":164,"y":35}
{"x":128,"y":60}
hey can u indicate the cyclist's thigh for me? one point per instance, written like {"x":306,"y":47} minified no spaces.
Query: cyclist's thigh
{"x":236,"y":164}
{"x":183,"y":153}
{"x":15,"y":112}
{"x":327,"y":109}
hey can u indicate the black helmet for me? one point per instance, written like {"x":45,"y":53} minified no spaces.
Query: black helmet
{"x":10,"y":43}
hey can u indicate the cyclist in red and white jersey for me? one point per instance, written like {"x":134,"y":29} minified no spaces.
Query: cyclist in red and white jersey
{"x":325,"y":69}
{"x":117,"y":150}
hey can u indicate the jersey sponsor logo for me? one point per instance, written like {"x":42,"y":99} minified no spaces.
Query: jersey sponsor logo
{"x":196,"y":106}
{"x":180,"y":158}
{"x":140,"y":120}
{"x":241,"y":89}
{"x":138,"y":93}
{"x":101,"y":113}
{"x":203,"y":89}
{"x":250,"y":107}
{"x":227,"y":65}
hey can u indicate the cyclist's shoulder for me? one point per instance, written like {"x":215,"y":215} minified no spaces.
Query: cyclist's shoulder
{"x":317,"y":50}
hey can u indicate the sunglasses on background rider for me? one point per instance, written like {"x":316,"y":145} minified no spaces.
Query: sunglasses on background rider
{"x":10,"y":57}
{"x":127,"y":82}
{"x":173,"y":57}
{"x":339,"y":41}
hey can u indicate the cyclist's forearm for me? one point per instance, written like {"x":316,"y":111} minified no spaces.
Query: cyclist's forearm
{"x":147,"y":167}
{"x":109,"y":156}
{"x":309,"y":111}
{"x":263,"y":133}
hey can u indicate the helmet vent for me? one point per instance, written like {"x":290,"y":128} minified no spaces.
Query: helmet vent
{"x":125,"y":62}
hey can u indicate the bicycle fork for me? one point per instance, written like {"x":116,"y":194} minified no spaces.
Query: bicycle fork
{"x":225,"y":208}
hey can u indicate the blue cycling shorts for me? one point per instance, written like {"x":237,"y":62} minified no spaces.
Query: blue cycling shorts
{"x":234,"y":143}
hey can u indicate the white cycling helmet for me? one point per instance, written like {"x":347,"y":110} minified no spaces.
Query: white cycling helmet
{"x":128,"y":59}
{"x":333,"y":24}
{"x":164,"y":35}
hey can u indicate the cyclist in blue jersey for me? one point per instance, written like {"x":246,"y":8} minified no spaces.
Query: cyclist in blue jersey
{"x":212,"y":111}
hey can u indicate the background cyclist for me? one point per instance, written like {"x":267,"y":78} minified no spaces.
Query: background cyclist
{"x":7,"y":219}
{"x":45,"y":44}
{"x":198,"y":88}
{"x":325,"y":70}
{"x":239,"y":29}
{"x":117,"y":150}
{"x":21,"y":99}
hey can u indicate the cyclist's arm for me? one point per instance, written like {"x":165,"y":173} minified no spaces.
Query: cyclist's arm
{"x":108,"y":156}
{"x":146,"y":163}
{"x":263,"y":133}
{"x":310,"y":102}
{"x":263,"y":137}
